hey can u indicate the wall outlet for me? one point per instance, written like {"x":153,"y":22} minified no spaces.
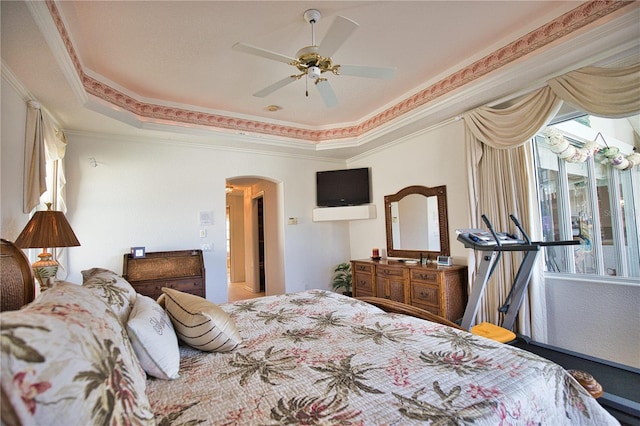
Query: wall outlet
{"x":206,"y":246}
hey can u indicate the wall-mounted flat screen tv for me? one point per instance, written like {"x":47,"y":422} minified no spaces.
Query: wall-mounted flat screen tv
{"x":349,"y":187}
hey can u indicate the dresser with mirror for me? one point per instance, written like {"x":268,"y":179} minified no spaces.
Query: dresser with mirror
{"x":417,"y":234}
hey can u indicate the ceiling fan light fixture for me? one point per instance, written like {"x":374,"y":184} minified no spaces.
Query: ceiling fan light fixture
{"x":314,"y":72}
{"x":315,"y":60}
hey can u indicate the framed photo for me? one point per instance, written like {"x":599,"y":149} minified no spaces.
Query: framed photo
{"x":137,"y":252}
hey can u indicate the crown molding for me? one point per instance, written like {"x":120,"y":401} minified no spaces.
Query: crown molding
{"x":483,"y":73}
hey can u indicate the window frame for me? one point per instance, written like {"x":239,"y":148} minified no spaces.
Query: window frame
{"x":622,"y":185}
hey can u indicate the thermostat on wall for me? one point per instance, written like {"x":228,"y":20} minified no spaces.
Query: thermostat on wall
{"x":444,"y":261}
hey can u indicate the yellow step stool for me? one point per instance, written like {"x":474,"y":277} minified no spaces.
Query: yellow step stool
{"x":493,"y":332}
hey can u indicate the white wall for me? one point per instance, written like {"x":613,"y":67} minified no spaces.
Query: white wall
{"x":598,"y":317}
{"x":12,"y":122}
{"x":433,"y":158}
{"x":150,"y":192}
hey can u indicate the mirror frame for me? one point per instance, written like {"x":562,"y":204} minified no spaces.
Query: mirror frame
{"x":438,"y":191}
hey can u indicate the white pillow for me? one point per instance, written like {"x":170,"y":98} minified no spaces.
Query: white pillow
{"x":199,"y":323}
{"x":153,"y":339}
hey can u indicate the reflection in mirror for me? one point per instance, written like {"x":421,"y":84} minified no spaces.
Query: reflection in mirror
{"x":416,"y":222}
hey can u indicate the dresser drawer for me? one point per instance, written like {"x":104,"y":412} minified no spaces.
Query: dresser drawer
{"x":424,"y":275}
{"x":363,"y":284}
{"x":363,"y":267}
{"x":153,"y":288}
{"x":425,"y":295}
{"x":388,"y":272}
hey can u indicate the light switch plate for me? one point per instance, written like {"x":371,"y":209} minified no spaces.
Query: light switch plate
{"x":206,"y":218}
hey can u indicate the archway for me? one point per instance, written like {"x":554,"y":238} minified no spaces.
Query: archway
{"x":254,"y":236}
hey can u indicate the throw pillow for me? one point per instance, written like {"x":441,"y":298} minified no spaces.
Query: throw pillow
{"x":199,"y":323}
{"x":66,"y":360}
{"x":153,"y":339}
{"x":113,"y":289}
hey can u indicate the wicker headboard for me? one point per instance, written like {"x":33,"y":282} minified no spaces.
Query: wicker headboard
{"x":17,"y":286}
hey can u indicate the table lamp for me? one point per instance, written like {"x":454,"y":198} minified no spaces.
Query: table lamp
{"x":46,"y":229}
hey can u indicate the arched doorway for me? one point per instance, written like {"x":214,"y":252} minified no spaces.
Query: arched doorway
{"x":254,"y":247}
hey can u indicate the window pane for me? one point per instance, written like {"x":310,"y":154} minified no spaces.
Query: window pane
{"x":607,"y":220}
{"x":548,"y":192}
{"x":581,"y":217}
{"x":630,"y":204}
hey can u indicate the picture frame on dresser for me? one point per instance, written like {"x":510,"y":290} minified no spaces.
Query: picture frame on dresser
{"x":137,"y":252}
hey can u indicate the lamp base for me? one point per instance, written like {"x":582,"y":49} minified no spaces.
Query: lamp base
{"x":45,"y":270}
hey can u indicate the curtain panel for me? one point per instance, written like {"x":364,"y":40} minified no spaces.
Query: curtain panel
{"x":500,"y":158}
{"x":502,"y":174}
{"x":44,"y":177}
{"x":45,"y":147}
{"x":34,"y":178}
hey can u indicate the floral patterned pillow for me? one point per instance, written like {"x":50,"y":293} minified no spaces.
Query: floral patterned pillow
{"x":67,"y":360}
{"x":113,"y":289}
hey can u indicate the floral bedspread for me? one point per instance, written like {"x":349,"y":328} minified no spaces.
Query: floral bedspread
{"x":318,"y":357}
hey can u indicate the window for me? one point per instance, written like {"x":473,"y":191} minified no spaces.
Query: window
{"x":591,"y":201}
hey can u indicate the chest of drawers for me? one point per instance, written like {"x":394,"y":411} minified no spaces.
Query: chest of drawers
{"x":181,"y":270}
{"x":439,"y":290}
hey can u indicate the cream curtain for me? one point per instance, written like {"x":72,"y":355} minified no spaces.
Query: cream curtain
{"x":34,"y":178}
{"x":501,"y":181}
{"x":501,"y":176}
{"x":605,"y":92}
{"x":44,"y":177}
{"x":56,"y":146}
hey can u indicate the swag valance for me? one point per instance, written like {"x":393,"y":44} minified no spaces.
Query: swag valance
{"x":501,"y":170}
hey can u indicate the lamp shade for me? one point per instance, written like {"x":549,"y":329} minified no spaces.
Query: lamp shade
{"x":47,"y":229}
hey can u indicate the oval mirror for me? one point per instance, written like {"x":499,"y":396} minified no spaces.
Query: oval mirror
{"x":416,"y":222}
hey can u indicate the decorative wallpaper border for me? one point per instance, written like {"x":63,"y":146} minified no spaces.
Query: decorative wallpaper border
{"x":571,"y":21}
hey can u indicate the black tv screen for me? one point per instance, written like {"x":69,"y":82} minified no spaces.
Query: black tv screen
{"x":349,"y":187}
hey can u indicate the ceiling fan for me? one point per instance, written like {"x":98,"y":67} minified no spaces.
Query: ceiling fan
{"x":315,"y":60}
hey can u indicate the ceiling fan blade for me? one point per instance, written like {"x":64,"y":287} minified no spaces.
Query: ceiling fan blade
{"x":326,"y":93}
{"x":369,"y":72}
{"x":258,"y":51}
{"x":338,"y":33}
{"x":275,"y":86}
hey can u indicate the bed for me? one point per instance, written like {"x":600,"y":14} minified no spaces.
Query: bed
{"x":312,"y":357}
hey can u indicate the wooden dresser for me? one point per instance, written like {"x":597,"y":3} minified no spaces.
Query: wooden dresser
{"x":181,"y":270}
{"x":439,"y":290}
